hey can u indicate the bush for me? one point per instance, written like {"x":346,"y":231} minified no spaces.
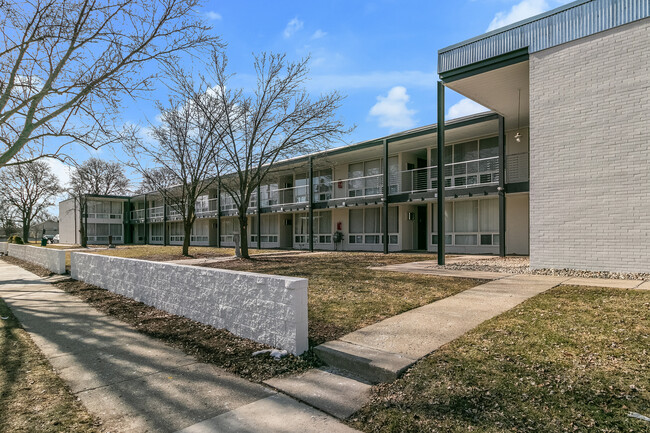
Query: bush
{"x":16,"y":240}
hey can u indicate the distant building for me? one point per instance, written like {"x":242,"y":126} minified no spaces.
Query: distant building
{"x":46,"y":228}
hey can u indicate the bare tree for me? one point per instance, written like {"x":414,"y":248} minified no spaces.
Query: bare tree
{"x":186,"y":145}
{"x":95,"y":177}
{"x":7,"y":219}
{"x":156,"y":179}
{"x":276,"y":120}
{"x":65,"y":66}
{"x":30,"y":188}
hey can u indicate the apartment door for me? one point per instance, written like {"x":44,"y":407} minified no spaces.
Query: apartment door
{"x":421,"y":218}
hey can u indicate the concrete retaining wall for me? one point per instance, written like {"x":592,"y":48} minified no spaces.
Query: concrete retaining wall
{"x":264,"y":308}
{"x":52,"y":259}
{"x":3,"y":247}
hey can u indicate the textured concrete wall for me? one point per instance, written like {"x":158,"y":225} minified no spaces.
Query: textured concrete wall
{"x":590,"y":152}
{"x":264,"y":308}
{"x":52,"y":259}
{"x":4,"y":247}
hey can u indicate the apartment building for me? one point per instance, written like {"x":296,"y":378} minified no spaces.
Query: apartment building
{"x":558,"y":169}
{"x":578,"y":79}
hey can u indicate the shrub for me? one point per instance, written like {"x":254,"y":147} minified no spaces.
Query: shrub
{"x":17,"y":240}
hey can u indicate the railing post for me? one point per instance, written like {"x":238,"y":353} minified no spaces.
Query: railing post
{"x":385,"y":198}
{"x":310,"y":201}
{"x":441,"y":173}
{"x":218,"y":216}
{"x":502,"y":187}
{"x":259,"y":219}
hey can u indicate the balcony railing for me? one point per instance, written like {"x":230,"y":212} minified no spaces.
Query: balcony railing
{"x":105,"y":216}
{"x":156,"y":212}
{"x":137,"y":214}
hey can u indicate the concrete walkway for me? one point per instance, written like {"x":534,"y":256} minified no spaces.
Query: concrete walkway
{"x":137,"y":384}
{"x":383,"y":351}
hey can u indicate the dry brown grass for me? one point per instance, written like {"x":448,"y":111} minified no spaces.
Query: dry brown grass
{"x":32,"y":397}
{"x":344,"y":295}
{"x":571,"y":359}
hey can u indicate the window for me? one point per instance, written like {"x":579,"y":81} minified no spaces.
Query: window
{"x":469,"y":222}
{"x":268,"y":228}
{"x":322,"y":227}
{"x":157,"y":232}
{"x":366,"y":226}
{"x":469,"y":163}
{"x":228,"y":229}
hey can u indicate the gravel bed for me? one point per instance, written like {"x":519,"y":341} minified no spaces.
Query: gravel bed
{"x":521,"y":265}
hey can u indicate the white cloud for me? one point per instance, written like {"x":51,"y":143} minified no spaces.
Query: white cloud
{"x":464,"y":107}
{"x":391,"y":110}
{"x":292,"y":27}
{"x":319,"y":34}
{"x":212,"y":15}
{"x":520,"y":11}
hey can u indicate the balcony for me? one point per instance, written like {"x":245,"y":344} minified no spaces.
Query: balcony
{"x":137,"y":215}
{"x":206,"y":208}
{"x":155,"y":213}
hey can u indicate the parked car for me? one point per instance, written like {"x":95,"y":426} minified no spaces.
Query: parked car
{"x":55,"y":239}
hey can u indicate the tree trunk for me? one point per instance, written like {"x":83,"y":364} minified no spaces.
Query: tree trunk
{"x":243,"y":237}
{"x":187,"y":226}
{"x":26,"y":228}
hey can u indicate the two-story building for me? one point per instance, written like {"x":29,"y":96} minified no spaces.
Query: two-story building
{"x":558,"y":169}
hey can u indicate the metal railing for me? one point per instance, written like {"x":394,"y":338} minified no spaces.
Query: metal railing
{"x":105,"y":216}
{"x":137,"y":214}
{"x":356,"y":187}
{"x":156,"y":212}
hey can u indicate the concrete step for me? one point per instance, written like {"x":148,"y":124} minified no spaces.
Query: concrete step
{"x":335,"y":392}
{"x":373,"y":365}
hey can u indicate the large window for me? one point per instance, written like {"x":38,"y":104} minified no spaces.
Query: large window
{"x":157,"y":232}
{"x":322,"y":184}
{"x":322,"y":227}
{"x":469,"y":163}
{"x":228,"y":226}
{"x":176,"y":232}
{"x":469,"y":222}
{"x":268,"y":227}
{"x":98,"y":232}
{"x":105,"y":209}
{"x":366,"y":226}
{"x":200,"y":231}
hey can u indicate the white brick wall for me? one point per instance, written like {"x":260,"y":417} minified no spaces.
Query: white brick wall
{"x":265,"y":308}
{"x":4,"y":247}
{"x":52,"y":259}
{"x":590,"y":152}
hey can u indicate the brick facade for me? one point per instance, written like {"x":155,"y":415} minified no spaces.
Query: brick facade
{"x":590,"y":152}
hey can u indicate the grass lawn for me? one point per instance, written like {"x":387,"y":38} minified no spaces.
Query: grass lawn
{"x":571,"y":359}
{"x":32,"y":397}
{"x":344,"y":295}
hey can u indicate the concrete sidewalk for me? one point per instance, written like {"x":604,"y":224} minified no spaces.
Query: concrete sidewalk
{"x":383,"y":351}
{"x":137,"y":384}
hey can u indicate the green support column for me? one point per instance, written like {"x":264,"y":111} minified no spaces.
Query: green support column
{"x":441,"y":173}
{"x":146,"y":225}
{"x":502,"y":187}
{"x":385,"y":197}
{"x":259,"y":219}
{"x":310,"y":190}
{"x":165,"y":241}
{"x":219,"y":217}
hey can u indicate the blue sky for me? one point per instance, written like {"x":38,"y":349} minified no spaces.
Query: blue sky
{"x":380,"y":54}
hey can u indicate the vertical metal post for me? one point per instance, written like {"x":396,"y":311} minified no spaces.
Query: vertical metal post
{"x":165,"y":241}
{"x":502,"y":187}
{"x":219,"y":216}
{"x":311,"y":203}
{"x":146,"y":226}
{"x":385,"y":197}
{"x":259,"y":219}
{"x":441,"y":173}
